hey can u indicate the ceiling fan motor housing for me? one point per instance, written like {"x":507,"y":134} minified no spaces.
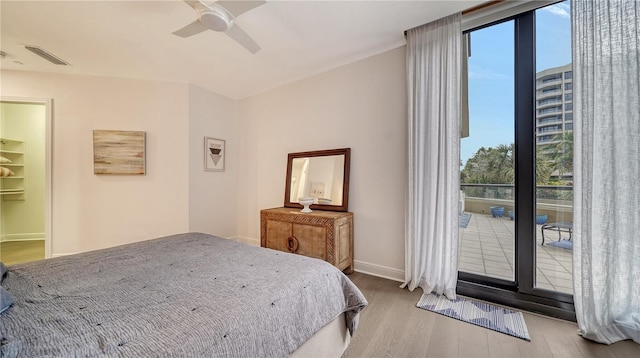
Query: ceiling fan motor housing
{"x":214,"y":18}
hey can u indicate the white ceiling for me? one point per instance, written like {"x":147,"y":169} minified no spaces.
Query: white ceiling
{"x":132,"y":39}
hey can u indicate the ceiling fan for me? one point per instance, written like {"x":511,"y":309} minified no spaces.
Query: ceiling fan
{"x":218,"y":16}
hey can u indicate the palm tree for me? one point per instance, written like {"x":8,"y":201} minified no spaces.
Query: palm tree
{"x":490,"y":166}
{"x":563,"y":154}
{"x":504,"y":161}
{"x":557,"y":157}
{"x":497,"y":165}
{"x":545,"y":165}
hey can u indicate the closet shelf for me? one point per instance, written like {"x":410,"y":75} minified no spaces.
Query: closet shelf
{"x":11,"y":191}
{"x":14,"y":150}
{"x":10,"y":151}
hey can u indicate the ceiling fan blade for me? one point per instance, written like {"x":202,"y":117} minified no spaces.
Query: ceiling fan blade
{"x":236,"y":33}
{"x":192,"y":3}
{"x":236,"y":8}
{"x":193,"y":28}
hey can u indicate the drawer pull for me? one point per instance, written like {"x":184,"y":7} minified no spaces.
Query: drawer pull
{"x":292,"y":244}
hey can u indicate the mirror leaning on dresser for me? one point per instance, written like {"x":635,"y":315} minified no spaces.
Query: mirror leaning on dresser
{"x":326,"y":232}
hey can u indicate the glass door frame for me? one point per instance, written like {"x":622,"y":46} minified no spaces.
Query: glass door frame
{"x":522,"y":292}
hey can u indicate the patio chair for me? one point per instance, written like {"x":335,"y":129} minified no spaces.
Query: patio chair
{"x":560,"y":227}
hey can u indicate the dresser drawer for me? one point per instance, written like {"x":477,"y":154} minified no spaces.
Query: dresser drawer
{"x":299,"y":239}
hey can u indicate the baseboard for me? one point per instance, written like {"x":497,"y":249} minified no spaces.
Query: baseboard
{"x":245,"y":240}
{"x":22,"y":237}
{"x":379,"y":271}
{"x":60,"y":255}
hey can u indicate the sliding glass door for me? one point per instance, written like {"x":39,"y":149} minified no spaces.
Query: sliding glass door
{"x":554,"y":149}
{"x":487,"y":239}
{"x":515,"y":235}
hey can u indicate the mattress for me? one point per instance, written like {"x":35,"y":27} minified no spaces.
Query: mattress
{"x":186,"y":295}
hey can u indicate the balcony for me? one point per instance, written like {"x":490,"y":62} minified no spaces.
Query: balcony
{"x":549,"y":129}
{"x":549,"y":110}
{"x":548,"y":92}
{"x":550,"y":79}
{"x":487,"y":243}
{"x":549,"y":119}
{"x":549,"y":101}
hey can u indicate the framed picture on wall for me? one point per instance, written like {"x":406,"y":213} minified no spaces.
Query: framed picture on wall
{"x":214,"y":153}
{"x":119,"y":152}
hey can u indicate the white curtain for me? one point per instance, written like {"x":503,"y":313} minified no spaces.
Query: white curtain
{"x":606,"y":95}
{"x":434,"y":57}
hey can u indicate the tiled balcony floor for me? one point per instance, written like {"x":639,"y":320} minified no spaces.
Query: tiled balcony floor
{"x":487,"y":248}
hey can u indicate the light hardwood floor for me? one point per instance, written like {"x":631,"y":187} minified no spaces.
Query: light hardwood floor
{"x":16,"y":252}
{"x":392,"y":326}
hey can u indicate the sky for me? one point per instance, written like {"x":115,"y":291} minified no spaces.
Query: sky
{"x":491,"y":68}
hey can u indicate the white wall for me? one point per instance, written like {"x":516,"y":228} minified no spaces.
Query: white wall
{"x":91,"y":211}
{"x":212,"y":195}
{"x":362,"y":106}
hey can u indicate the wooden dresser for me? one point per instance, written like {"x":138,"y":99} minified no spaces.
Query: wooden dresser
{"x":325,"y":235}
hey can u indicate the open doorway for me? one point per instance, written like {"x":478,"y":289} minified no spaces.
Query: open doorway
{"x":25,"y":181}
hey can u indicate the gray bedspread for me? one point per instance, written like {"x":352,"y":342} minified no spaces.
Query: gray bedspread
{"x":188,"y":295}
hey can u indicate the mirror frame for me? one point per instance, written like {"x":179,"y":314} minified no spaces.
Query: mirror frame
{"x":345,"y":180}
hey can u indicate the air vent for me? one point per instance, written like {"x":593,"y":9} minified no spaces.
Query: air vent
{"x":46,"y":55}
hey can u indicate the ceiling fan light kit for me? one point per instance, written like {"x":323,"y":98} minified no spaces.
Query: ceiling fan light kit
{"x":215,"y":19}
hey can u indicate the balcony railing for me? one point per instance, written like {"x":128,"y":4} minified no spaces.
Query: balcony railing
{"x":506,"y":191}
{"x":553,"y":200}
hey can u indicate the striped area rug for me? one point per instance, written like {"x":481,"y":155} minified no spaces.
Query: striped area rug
{"x":479,"y":313}
{"x":464,"y":219}
{"x":563,"y":244}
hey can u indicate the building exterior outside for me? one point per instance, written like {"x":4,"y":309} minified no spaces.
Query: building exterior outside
{"x":554,"y":111}
{"x":554,"y":104}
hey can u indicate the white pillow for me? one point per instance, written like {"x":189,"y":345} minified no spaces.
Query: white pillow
{"x":4,"y":160}
{"x":5,"y":172}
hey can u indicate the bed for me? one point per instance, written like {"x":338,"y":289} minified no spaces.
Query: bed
{"x":187,"y":295}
